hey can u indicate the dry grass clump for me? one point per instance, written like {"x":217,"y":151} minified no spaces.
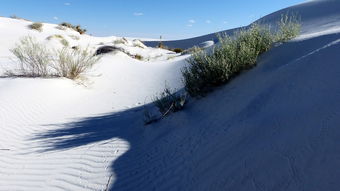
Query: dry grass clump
{"x":36,"y":60}
{"x":36,"y":26}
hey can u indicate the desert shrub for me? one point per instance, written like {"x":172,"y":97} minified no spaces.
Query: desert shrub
{"x":37,"y":61}
{"x":80,"y":30}
{"x":71,"y":63}
{"x":208,"y":70}
{"x":289,"y":27}
{"x":34,"y":58}
{"x":138,"y":57}
{"x":74,"y":27}
{"x":36,"y":26}
{"x":233,"y":55}
{"x":178,"y":50}
{"x":168,"y":101}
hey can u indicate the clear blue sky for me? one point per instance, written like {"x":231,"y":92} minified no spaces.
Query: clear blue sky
{"x":173,"y":19}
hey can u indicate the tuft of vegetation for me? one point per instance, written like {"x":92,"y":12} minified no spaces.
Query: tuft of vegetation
{"x":178,"y":50}
{"x":289,"y":28}
{"x":120,"y":41}
{"x":168,"y":101}
{"x":233,"y":55}
{"x":63,"y":41}
{"x":36,"y":26}
{"x":71,"y":63}
{"x":138,"y":57}
{"x":33,"y":58}
{"x":74,"y":27}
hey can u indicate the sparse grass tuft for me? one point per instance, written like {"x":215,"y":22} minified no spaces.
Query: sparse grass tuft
{"x":37,"y":61}
{"x":71,"y":63}
{"x":168,"y":101}
{"x":138,"y":57}
{"x":36,"y":26}
{"x":33,"y":58}
{"x":74,"y":27}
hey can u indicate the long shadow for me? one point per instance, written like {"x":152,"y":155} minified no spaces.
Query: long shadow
{"x":127,"y":125}
{"x":91,"y":129}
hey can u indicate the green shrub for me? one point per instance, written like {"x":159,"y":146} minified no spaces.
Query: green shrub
{"x":233,"y":55}
{"x":36,"y":26}
{"x":168,"y":101}
{"x":33,"y":57}
{"x":206,"y":71}
{"x":289,"y":28}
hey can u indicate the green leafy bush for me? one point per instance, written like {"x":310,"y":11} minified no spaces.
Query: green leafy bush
{"x":233,"y":55}
{"x":289,"y":28}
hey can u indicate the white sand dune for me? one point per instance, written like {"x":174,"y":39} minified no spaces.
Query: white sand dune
{"x":274,"y":127}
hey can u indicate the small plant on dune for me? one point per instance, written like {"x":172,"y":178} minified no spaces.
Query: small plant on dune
{"x":168,"y":101}
{"x":138,"y":57}
{"x":289,"y":28}
{"x":208,"y":70}
{"x":178,"y":50}
{"x":233,"y":55}
{"x":63,"y":41}
{"x":55,"y":36}
{"x":71,"y":63}
{"x":74,"y":27}
{"x":33,"y":58}
{"x":36,"y":26}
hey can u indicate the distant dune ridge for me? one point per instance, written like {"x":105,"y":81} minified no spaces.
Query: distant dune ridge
{"x":275,"y":127}
{"x":321,"y":13}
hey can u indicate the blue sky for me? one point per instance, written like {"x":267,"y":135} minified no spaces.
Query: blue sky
{"x":173,"y":19}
